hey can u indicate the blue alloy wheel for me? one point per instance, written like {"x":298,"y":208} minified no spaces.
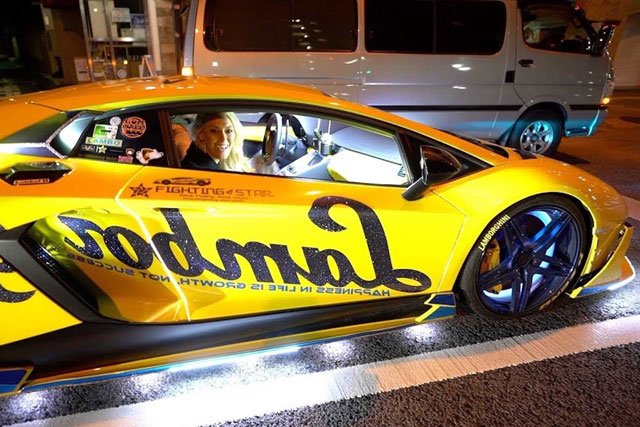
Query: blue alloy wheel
{"x":525,"y":259}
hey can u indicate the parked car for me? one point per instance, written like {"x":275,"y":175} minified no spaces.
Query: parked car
{"x":523,"y":73}
{"x":345,"y":220}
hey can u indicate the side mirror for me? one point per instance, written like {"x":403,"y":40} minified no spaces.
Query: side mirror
{"x":603,"y":38}
{"x":437,"y":165}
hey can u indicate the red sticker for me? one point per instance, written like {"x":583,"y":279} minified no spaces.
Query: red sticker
{"x":133,"y":127}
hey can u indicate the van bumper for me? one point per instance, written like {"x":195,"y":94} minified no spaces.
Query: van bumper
{"x":584,"y":120}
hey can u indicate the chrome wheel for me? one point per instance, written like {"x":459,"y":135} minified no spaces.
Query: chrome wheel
{"x":537,"y":137}
{"x":537,"y":131}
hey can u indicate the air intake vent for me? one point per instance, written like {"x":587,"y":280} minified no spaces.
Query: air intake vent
{"x":60,"y":273}
{"x":35,"y":173}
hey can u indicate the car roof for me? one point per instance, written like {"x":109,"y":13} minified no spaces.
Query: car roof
{"x":138,"y":91}
{"x":134,"y":92}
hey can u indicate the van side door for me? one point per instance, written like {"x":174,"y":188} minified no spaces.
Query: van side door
{"x":438,"y":62}
{"x":303,"y":41}
{"x":554,"y":61}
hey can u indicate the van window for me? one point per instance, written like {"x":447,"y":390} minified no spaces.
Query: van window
{"x":470,"y":27}
{"x":555,"y":27}
{"x":281,"y":25}
{"x":459,"y":27}
{"x":400,"y":26}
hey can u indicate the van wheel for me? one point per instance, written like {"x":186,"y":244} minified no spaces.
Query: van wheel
{"x":537,"y":132}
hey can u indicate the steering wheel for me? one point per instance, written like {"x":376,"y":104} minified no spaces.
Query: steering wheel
{"x":273,"y":143}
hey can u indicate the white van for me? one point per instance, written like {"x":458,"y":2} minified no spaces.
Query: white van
{"x":521,"y":72}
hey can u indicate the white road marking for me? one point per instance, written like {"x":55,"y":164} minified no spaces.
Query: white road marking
{"x":634,"y":208}
{"x":213,"y":405}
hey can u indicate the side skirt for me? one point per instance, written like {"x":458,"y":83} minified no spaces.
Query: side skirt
{"x":73,"y":354}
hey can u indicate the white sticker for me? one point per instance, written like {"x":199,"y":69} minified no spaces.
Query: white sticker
{"x":147,"y":154}
{"x":115,"y":121}
{"x":103,"y":141}
{"x":105,"y":131}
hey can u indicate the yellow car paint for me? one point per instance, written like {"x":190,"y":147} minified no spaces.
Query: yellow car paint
{"x":31,"y":312}
{"x":167,"y":246}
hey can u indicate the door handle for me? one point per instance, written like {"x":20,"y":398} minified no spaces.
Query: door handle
{"x":526,"y":62}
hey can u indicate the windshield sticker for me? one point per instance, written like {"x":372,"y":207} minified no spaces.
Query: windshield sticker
{"x":115,"y":121}
{"x":178,"y":251}
{"x":145,"y":155}
{"x":109,"y":142}
{"x":133,"y":127}
{"x":105,"y":131}
{"x":125,"y":159}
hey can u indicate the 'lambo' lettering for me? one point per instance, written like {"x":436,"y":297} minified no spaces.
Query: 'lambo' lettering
{"x":182,"y":256}
{"x":12,"y":297}
{"x":4,"y":267}
{"x":5,"y":294}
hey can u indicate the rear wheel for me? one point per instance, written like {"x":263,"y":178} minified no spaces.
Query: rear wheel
{"x":537,"y":131}
{"x":525,"y":258}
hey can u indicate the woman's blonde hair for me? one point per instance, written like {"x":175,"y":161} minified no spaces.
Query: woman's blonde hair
{"x":236,"y":161}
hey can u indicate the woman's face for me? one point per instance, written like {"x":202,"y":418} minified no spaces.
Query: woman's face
{"x":217,"y":135}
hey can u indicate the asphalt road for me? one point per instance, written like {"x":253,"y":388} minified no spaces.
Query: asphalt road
{"x":577,"y":363}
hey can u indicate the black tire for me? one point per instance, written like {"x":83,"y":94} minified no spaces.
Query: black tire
{"x":525,"y":258}
{"x":537,"y":132}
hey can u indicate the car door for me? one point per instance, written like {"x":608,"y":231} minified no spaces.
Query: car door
{"x":319,"y":231}
{"x":325,"y":225}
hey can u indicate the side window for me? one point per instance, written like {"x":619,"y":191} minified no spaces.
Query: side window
{"x":288,"y":144}
{"x":554,"y":27}
{"x":460,"y":27}
{"x":404,"y":26}
{"x":134,"y":138}
{"x":470,"y":27}
{"x":281,"y":25}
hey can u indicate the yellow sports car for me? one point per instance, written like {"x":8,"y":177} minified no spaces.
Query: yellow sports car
{"x":150,"y":222}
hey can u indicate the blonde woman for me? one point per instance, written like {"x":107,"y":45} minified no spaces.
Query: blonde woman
{"x":218,"y":143}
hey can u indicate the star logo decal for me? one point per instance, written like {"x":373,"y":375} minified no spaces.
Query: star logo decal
{"x":102,"y":149}
{"x":140,"y":191}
